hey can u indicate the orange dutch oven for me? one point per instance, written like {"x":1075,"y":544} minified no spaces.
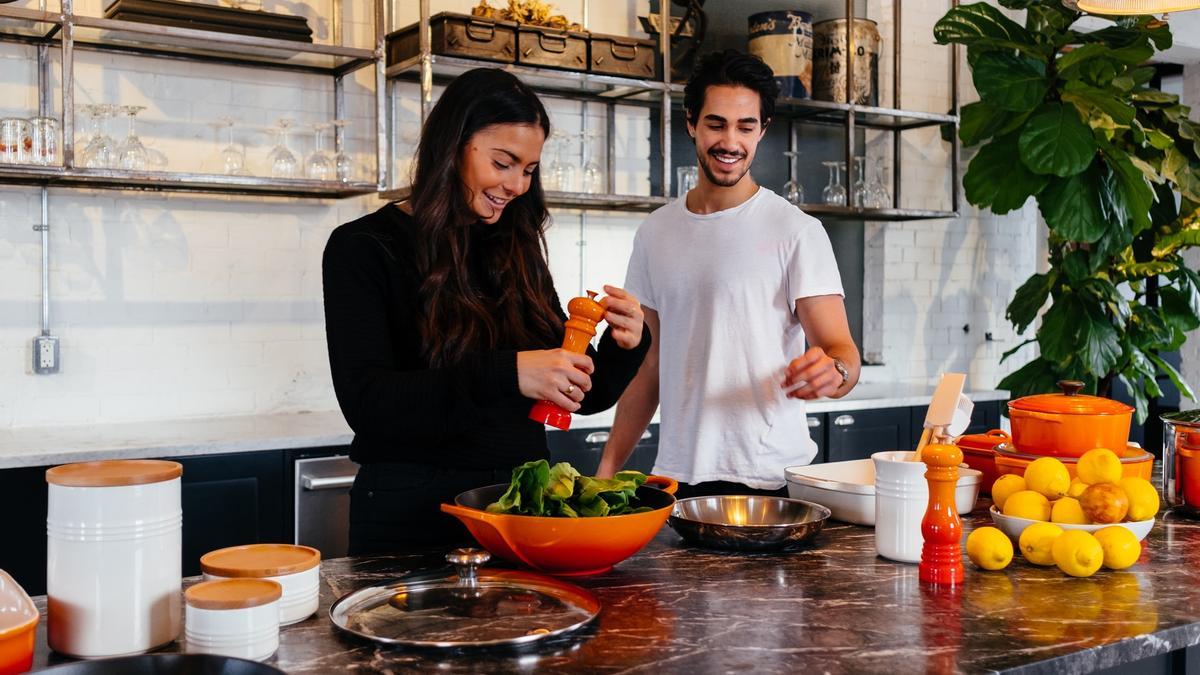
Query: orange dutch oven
{"x":1068,"y":424}
{"x":564,"y":546}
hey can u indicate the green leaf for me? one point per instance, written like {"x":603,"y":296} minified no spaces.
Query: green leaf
{"x":1177,"y":168}
{"x":1071,"y":207}
{"x":1169,"y":243}
{"x":1014,"y":350}
{"x":996,"y":178}
{"x":1101,"y":73}
{"x":1175,"y":377}
{"x":1155,"y":97}
{"x":1028,"y":299}
{"x":1072,"y":59}
{"x":979,"y":121}
{"x":1099,"y":343}
{"x":562,"y":481}
{"x":1115,"y":240}
{"x":1060,"y":328}
{"x":1104,"y":291}
{"x":1086,"y":97}
{"x":1148,"y":330}
{"x":1055,"y":141}
{"x":1137,"y":194}
{"x":1180,"y":307}
{"x":1008,"y":82}
{"x":1141,"y":270}
{"x":1141,"y":406}
{"x":1158,"y":139}
{"x":1076,"y":266}
{"x":1035,"y":377}
{"x":980,"y":24}
{"x":1133,"y":54}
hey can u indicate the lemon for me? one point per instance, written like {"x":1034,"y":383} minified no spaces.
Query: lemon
{"x":1121,"y":547}
{"x":1099,"y":466}
{"x":989,"y":548}
{"x":1027,"y":504}
{"x":1048,"y":476}
{"x":1004,"y":487}
{"x":1067,"y":510}
{"x":1143,"y":498}
{"x":1037,"y":541}
{"x":1077,"y":553}
{"x":1076,"y":488}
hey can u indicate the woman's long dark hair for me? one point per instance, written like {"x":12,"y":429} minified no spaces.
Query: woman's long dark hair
{"x":456,"y":316}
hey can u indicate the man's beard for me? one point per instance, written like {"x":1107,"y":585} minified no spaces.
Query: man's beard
{"x":705,"y":158}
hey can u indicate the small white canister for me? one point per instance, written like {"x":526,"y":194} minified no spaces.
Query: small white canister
{"x":113,"y":571}
{"x":233,"y":617}
{"x":901,"y":499}
{"x":296,"y":568}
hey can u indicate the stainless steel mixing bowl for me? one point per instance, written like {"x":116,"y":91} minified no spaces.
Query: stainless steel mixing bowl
{"x":747,"y":523}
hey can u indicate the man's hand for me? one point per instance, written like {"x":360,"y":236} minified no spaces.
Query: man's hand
{"x":624,"y":313}
{"x":813,"y":375}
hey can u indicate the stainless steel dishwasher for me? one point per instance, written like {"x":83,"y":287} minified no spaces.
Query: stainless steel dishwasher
{"x":322,"y":489}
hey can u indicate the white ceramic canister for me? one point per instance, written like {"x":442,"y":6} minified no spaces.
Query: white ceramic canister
{"x":113,"y":555}
{"x":296,"y":568}
{"x":901,"y":498}
{"x":233,"y":617}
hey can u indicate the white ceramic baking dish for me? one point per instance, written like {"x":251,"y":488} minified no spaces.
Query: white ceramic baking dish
{"x":847,"y":489}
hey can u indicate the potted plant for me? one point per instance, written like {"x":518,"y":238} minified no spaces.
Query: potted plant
{"x":1066,"y":117}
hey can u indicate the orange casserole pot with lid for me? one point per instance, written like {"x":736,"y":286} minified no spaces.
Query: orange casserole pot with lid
{"x":1068,"y":424}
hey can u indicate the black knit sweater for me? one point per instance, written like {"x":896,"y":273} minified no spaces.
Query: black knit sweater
{"x":470,"y":415}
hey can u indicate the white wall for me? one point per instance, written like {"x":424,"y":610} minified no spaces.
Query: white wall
{"x":175,"y":305}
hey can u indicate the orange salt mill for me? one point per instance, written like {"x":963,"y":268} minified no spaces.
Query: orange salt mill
{"x":581,"y":328}
{"x":941,"y":558}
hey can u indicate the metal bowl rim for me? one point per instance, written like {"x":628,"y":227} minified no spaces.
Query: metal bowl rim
{"x":824,"y":510}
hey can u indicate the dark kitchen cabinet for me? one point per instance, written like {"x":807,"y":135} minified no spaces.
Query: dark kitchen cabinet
{"x":226,"y":500}
{"x":984,"y":417}
{"x":859,"y":433}
{"x":584,"y":447}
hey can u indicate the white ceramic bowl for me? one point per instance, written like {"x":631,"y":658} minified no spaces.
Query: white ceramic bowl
{"x":847,"y":489}
{"x":1013,"y":526}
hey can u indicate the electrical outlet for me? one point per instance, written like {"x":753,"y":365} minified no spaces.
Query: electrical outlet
{"x":45,"y":354}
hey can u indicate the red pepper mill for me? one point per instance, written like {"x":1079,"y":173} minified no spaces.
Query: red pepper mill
{"x":941,"y":557}
{"x":581,"y":328}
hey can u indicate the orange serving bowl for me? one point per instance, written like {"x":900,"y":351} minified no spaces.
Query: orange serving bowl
{"x":564,"y":546}
{"x":1135,"y":462}
{"x":18,"y":619}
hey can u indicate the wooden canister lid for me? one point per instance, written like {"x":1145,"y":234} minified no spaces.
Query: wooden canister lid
{"x":233,"y":593}
{"x":259,"y":560}
{"x":114,"y":473}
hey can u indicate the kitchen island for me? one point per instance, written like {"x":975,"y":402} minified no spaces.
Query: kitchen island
{"x":829,"y":607}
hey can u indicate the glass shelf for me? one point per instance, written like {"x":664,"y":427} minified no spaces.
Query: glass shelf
{"x":574,"y":200}
{"x":541,"y":79}
{"x":172,"y":181}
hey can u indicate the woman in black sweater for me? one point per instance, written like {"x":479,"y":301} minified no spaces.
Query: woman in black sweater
{"x":443,"y":322}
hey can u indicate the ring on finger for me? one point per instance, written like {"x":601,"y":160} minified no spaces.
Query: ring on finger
{"x":570,"y":389}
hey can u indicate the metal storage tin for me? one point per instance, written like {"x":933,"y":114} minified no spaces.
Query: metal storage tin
{"x":552,"y":48}
{"x":457,"y":35}
{"x":829,"y":55}
{"x":617,"y":55}
{"x":784,"y":41}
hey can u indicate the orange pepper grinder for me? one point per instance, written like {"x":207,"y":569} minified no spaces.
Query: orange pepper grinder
{"x":941,"y":557}
{"x":581,"y":328}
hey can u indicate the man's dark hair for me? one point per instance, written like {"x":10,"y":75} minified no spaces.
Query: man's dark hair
{"x":731,"y":67}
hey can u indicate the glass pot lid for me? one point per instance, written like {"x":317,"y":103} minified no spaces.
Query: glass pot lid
{"x":471,"y":607}
{"x":1185,"y":418}
{"x":1070,"y":402}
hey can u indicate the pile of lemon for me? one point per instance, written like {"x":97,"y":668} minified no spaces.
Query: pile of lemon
{"x":1099,"y":494}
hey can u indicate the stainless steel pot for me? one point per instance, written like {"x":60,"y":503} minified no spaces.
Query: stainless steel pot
{"x":747,"y":523}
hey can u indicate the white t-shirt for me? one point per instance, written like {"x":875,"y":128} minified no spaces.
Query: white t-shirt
{"x":725,"y":287}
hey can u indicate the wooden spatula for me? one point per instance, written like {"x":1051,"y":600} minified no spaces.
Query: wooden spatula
{"x":941,"y":410}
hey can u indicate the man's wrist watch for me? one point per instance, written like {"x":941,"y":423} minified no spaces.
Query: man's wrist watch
{"x":841,"y":368}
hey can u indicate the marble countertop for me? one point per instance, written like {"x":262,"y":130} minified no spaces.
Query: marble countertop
{"x":45,"y":446}
{"x":831,"y":606}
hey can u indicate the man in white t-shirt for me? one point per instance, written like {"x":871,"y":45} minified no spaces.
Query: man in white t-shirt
{"x":733,"y":279}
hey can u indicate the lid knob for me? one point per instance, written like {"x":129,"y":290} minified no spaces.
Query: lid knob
{"x":466,"y":560}
{"x":1070,"y":387}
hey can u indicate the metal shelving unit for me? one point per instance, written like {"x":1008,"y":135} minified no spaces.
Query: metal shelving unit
{"x":665,"y":97}
{"x":68,"y":32}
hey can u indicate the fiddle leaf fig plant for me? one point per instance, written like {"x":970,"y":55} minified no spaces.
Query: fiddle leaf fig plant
{"x":1066,"y":117}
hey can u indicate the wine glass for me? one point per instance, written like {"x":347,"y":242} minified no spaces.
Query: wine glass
{"x":233,"y":160}
{"x":550,"y":174}
{"x":793,"y":190}
{"x":593,"y":175}
{"x":878,"y":196}
{"x":319,"y":165}
{"x":858,"y":191}
{"x":98,"y":153}
{"x":131,"y":154}
{"x":834,"y":194}
{"x":283,"y":162}
{"x":343,"y":164}
{"x":564,"y":171}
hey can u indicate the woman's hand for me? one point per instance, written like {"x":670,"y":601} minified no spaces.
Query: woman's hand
{"x":624,"y":313}
{"x":555,"y":375}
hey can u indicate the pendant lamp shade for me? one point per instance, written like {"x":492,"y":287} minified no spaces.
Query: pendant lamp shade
{"x":1115,"y":7}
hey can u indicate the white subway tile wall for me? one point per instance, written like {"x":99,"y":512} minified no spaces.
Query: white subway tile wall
{"x":176,"y":305}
